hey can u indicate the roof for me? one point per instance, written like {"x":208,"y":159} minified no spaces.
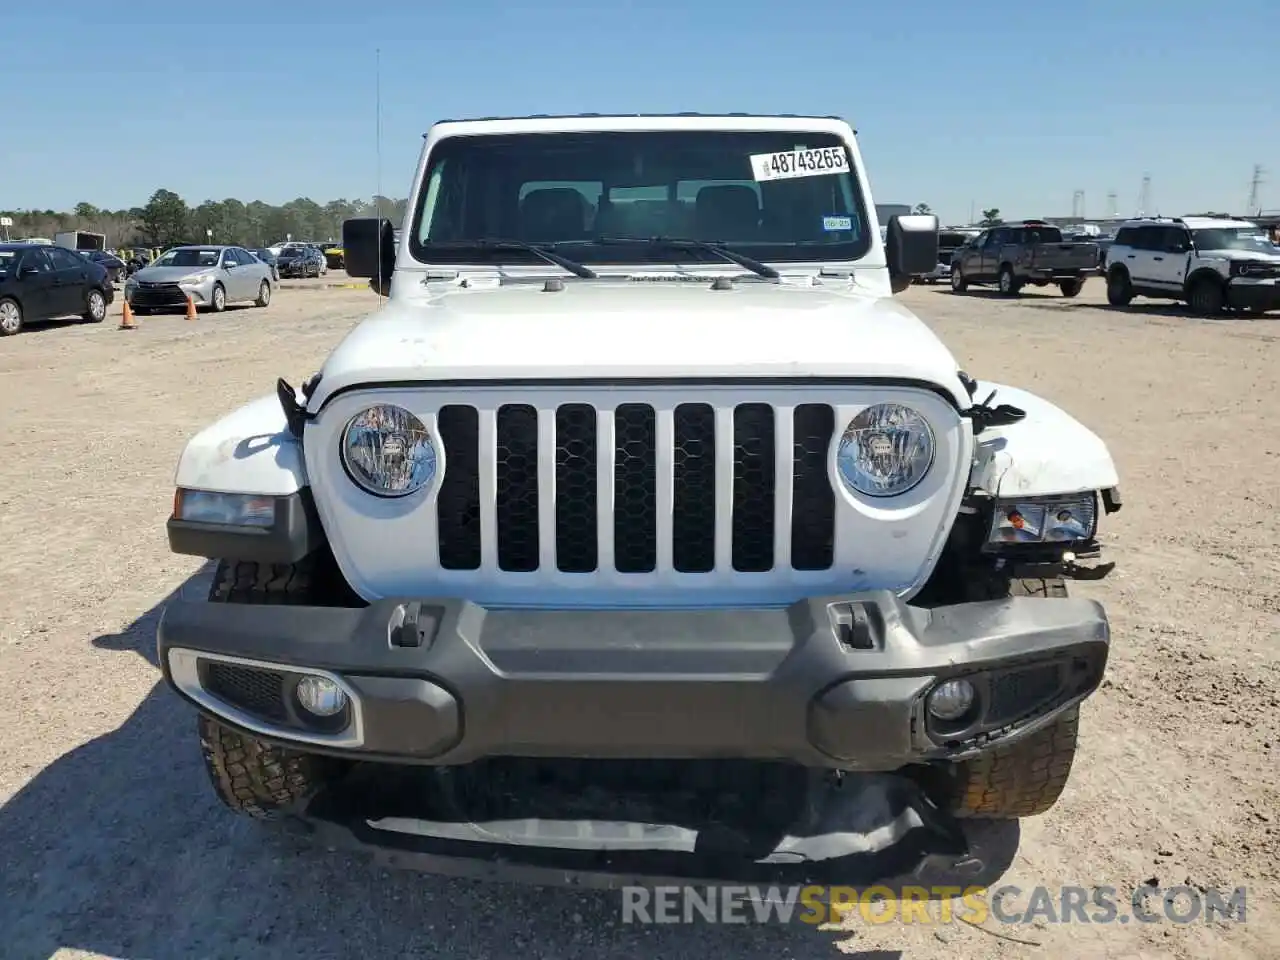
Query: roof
{"x":607,"y":121}
{"x":1192,"y":223}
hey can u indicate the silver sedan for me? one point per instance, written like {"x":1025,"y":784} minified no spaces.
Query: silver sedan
{"x":212,"y":276}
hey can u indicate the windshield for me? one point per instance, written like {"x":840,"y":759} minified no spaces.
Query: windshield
{"x":1233,"y":238}
{"x":770,"y":195}
{"x":189,"y":257}
{"x":947,"y":239}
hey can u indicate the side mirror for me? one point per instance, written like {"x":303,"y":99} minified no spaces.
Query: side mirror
{"x":910,"y":248}
{"x":369,"y":248}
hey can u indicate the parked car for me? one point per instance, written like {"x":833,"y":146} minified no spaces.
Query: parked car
{"x":213,"y":276}
{"x":333,"y":255}
{"x":949,"y":241}
{"x":269,"y":258}
{"x":45,"y":282}
{"x":1211,"y":264}
{"x":299,"y":261}
{"x":324,"y":262}
{"x":115,"y":267}
{"x":1012,"y":255}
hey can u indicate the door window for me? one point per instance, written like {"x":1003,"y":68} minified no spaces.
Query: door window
{"x":64,"y":259}
{"x":38,"y":259}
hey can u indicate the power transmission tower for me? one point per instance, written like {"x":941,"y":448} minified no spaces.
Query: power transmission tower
{"x":1255,"y":205}
{"x":1144,"y":197}
{"x":1077,"y":205}
{"x":1111,"y":205}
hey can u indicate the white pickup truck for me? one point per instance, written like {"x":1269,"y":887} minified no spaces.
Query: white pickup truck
{"x":637,"y":520}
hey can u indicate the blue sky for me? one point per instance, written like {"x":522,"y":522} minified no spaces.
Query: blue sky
{"x":1009,"y":105}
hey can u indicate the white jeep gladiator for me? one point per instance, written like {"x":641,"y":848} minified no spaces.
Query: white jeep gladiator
{"x":637,"y":520}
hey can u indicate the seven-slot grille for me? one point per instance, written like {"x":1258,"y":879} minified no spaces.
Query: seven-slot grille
{"x":639,"y":488}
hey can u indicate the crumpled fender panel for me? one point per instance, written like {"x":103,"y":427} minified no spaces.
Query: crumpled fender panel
{"x":1049,"y":452}
{"x":248,"y":451}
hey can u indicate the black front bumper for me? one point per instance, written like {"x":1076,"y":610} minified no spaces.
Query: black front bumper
{"x":1253,"y":296}
{"x":836,"y":682}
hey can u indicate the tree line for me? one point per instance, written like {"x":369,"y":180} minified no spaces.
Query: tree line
{"x":167,"y":220}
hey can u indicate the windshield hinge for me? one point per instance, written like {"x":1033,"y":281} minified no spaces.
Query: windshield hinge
{"x":295,"y":414}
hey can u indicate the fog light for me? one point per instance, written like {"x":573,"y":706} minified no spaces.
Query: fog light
{"x":321,"y":696}
{"x":951,"y":700}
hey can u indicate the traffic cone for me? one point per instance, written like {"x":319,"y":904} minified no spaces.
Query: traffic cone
{"x":191,"y":308}
{"x":126,"y":318}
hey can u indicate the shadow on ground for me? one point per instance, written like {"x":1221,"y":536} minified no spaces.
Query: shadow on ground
{"x":119,"y":848}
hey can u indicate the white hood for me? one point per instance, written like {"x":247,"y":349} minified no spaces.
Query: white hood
{"x":629,"y":329}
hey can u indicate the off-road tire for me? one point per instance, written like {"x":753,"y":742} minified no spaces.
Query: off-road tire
{"x":1007,"y":283}
{"x":1119,"y":288}
{"x":253,"y":777}
{"x":1071,"y":288}
{"x":958,"y":283}
{"x":1023,"y":779}
{"x":1206,"y":298}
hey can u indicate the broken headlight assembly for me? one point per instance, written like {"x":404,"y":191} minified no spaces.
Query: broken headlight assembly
{"x":1045,"y":520}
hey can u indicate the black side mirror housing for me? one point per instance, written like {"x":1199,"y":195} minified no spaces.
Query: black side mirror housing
{"x":910,"y":248}
{"x":369,"y":248}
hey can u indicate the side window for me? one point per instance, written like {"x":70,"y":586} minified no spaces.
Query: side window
{"x":64,"y":259}
{"x":230,"y":258}
{"x":1177,"y":239}
{"x":1124,"y":238}
{"x":981,"y":239}
{"x":38,"y":259}
{"x":998,"y":237}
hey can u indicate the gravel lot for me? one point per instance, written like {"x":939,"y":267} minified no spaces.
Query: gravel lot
{"x":113,"y":844}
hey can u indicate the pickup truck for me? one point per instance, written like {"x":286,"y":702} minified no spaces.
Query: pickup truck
{"x":1011,"y":255}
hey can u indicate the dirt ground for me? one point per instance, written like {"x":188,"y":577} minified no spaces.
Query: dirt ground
{"x":113,"y":845}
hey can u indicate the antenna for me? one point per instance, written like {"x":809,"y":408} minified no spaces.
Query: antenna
{"x":1254,"y":207}
{"x":377,"y":196}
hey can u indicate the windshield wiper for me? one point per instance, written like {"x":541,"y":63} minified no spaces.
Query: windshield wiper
{"x":679,"y":243}
{"x":493,"y":243}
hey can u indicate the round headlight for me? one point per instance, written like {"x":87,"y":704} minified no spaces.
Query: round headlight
{"x":886,"y":450}
{"x":388,"y":451}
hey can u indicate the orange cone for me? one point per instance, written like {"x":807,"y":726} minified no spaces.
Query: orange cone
{"x":126,"y":318}
{"x":191,"y":308}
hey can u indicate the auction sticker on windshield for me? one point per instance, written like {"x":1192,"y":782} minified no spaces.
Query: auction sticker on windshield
{"x":814,"y":162}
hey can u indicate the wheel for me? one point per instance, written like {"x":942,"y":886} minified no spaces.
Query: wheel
{"x":95,"y":306}
{"x":10,"y":317}
{"x":1119,"y":289}
{"x":1023,"y":779}
{"x":264,"y":294}
{"x":219,"y":300}
{"x":1009,"y":285}
{"x":253,"y":777}
{"x":1206,"y":298}
{"x":958,"y":283}
{"x":1071,"y":288}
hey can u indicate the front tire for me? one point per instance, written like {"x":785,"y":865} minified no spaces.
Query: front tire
{"x":958,"y":283}
{"x":264,"y":294}
{"x":218,"y":300}
{"x":1206,"y":298}
{"x":251,"y":776}
{"x":1025,"y":778}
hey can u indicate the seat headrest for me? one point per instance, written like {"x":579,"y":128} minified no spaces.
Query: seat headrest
{"x":727,"y":212}
{"x":553,"y":213}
